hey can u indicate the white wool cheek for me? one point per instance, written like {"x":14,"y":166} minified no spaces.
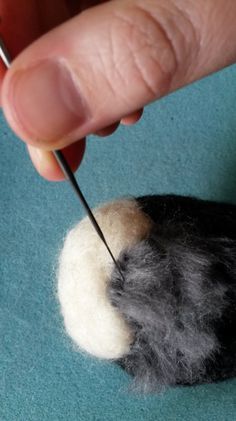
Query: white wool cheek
{"x":84,"y":271}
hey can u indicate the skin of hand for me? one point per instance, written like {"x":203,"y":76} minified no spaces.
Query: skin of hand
{"x":83,"y":67}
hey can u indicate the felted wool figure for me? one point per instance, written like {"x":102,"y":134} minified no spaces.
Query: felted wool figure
{"x":172,"y":319}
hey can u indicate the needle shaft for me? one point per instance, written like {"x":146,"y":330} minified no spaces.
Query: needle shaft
{"x":68,"y":173}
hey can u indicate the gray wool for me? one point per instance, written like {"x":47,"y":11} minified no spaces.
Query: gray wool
{"x":176,"y":293}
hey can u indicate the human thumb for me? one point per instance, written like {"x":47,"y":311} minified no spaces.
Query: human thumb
{"x":111,"y":60}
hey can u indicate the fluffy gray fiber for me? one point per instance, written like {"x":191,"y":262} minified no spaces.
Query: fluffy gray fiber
{"x":179,"y":299}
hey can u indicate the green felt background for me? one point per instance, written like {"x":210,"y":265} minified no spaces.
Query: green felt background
{"x":185,"y":144}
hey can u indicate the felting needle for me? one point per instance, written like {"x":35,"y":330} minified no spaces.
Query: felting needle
{"x":68,"y":173}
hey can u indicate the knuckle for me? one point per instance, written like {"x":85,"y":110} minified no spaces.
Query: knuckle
{"x":160,"y":43}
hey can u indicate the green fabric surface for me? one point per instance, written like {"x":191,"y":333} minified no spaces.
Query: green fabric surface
{"x":185,"y":144}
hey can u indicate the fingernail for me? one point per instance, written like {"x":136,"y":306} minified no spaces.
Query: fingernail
{"x":47,"y":102}
{"x":46,"y":164}
{"x":43,"y":160}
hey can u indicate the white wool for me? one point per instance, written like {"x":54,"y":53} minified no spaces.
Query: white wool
{"x":84,"y":271}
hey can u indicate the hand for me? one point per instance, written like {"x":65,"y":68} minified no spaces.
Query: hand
{"x":102,"y":66}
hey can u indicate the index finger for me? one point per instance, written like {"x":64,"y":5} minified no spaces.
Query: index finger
{"x":13,"y":20}
{"x":24,"y":21}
